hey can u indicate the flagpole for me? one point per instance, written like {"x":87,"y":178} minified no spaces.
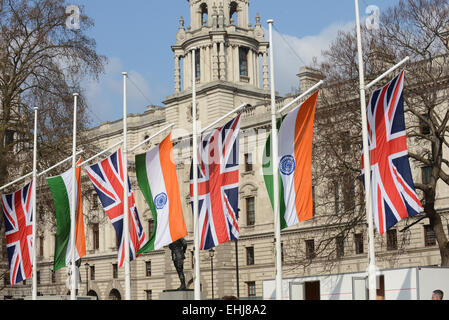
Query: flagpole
{"x":73,"y":204}
{"x":315,"y":86}
{"x":223,"y":117}
{"x":367,"y":166}
{"x":125,"y":195}
{"x":197,"y":282}
{"x":274,"y":155}
{"x":149,"y":138}
{"x":34,"y":211}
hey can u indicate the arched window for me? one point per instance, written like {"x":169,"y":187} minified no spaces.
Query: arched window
{"x":92,"y":293}
{"x":233,"y":12}
{"x":204,"y":14}
{"x":115,"y":295}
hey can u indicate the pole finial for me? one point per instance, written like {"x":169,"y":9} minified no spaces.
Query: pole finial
{"x":270,"y":21}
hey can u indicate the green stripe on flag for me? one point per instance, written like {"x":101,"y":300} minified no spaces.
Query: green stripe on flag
{"x":62,"y":212}
{"x":267,"y":169}
{"x":142,"y":179}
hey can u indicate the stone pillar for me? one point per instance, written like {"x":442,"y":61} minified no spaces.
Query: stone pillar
{"x":188,"y":70}
{"x":177,"y":75}
{"x":257,"y":70}
{"x":250,"y":67}
{"x":207,"y":59}
{"x":265,"y":71}
{"x":236,"y":64}
{"x":222,"y":57}
{"x":202,"y":64}
{"x":214,"y":62}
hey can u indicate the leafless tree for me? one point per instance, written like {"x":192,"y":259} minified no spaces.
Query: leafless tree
{"x":415,"y":28}
{"x":42,"y":63}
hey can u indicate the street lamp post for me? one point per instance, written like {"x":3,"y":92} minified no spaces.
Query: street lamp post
{"x":87,"y":277}
{"x":211,"y":255}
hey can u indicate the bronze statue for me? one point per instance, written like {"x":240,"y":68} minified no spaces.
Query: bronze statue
{"x":178,"y":250}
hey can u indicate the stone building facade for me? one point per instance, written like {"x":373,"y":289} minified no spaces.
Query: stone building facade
{"x":231,"y":69}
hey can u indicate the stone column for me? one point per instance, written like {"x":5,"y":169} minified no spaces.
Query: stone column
{"x":257,"y":70}
{"x":236,"y":64}
{"x":207,"y":59}
{"x":222,"y":58}
{"x":202,"y":64}
{"x":177,"y":75}
{"x":188,"y":70}
{"x":250,"y":67}
{"x":214,"y":62}
{"x":265,"y":71}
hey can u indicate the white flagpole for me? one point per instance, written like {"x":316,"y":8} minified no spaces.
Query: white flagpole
{"x":223,"y":117}
{"x":275,"y":165}
{"x":149,"y":138}
{"x":302,"y":95}
{"x":73,"y":205}
{"x":33,"y":191}
{"x":196,"y":239}
{"x":125,"y":196}
{"x":367,"y":166}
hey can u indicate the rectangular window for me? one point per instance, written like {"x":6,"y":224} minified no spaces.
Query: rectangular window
{"x":94,"y":201}
{"x":429,"y":236}
{"x":53,"y":276}
{"x":340,"y":246}
{"x":41,"y":246}
{"x":149,"y":294}
{"x":358,"y":239}
{"x":392,"y":239}
{"x":345,"y":139}
{"x":92,"y":272}
{"x":9,"y":137}
{"x":114,"y":271}
{"x":426,"y":174}
{"x":424,"y":127}
{"x":38,"y":277}
{"x":336,"y":196}
{"x":150,"y":227}
{"x":148,"y":268}
{"x":95,"y":236}
{"x":248,"y":162}
{"x":282,"y":251}
{"x":349,"y":193}
{"x":250,"y":255}
{"x":310,"y":249}
{"x":313,"y":201}
{"x":251,"y":288}
{"x":243,"y":61}
{"x":250,"y":212}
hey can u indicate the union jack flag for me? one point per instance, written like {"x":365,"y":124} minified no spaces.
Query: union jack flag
{"x":393,"y":191}
{"x":107,"y":178}
{"x":218,"y":179}
{"x":18,"y":217}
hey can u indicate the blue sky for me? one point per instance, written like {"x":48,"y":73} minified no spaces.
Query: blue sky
{"x":136,"y":36}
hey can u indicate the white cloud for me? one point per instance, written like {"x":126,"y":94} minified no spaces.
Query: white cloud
{"x":291,"y":53}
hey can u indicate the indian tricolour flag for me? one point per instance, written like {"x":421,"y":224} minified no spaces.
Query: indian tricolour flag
{"x":61,"y":190}
{"x":158,"y":181}
{"x":295,"y":164}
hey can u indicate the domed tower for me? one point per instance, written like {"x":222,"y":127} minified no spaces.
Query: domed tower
{"x":231,"y":61}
